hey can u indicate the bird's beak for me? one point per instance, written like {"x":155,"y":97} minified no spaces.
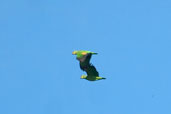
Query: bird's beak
{"x":74,"y":53}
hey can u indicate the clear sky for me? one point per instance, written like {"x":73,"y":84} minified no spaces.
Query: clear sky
{"x":39,"y":74}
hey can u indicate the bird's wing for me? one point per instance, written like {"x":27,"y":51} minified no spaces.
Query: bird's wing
{"x":86,"y":66}
{"x":91,"y":71}
{"x":85,"y":62}
{"x":88,"y":57}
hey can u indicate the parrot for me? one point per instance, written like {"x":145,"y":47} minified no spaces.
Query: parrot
{"x":84,"y":57}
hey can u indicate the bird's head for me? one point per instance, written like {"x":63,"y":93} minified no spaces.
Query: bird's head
{"x":74,"y":52}
{"x":83,"y":77}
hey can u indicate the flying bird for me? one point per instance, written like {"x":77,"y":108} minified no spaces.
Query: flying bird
{"x":84,"y":58}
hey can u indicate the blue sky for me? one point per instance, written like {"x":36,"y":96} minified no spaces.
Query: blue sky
{"x":39,"y":75}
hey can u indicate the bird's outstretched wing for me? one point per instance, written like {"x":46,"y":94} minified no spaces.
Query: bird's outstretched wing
{"x":88,"y":57}
{"x":91,"y":71}
{"x":86,"y":63}
{"x":86,"y":66}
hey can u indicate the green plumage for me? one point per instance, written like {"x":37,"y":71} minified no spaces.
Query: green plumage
{"x":84,"y":58}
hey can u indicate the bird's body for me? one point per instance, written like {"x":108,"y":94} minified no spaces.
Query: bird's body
{"x":92,"y":78}
{"x":84,"y":58}
{"x":82,"y":55}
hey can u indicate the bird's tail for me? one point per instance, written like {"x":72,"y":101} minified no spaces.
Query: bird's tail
{"x":100,"y":78}
{"x":94,"y":53}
